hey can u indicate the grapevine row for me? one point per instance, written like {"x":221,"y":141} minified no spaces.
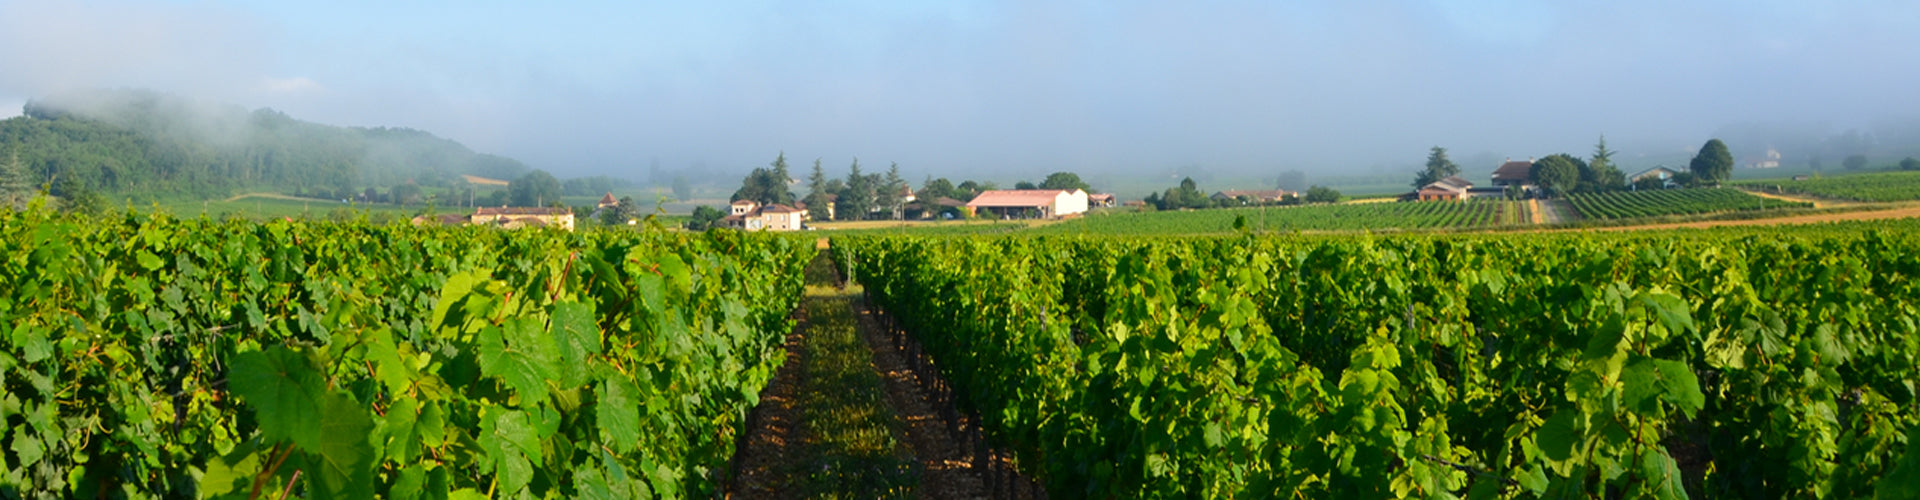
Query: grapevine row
{"x":1659,"y":202}
{"x":150,"y":356}
{"x":1723,"y":364}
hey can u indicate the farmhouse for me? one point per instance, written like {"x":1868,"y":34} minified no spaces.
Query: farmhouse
{"x":1451,"y":188}
{"x":1023,"y":203}
{"x":750,"y":215}
{"x":1256,"y":195}
{"x":518,"y":217}
{"x":1663,"y":174}
{"x":1514,"y":173}
{"x":607,"y":201}
{"x":1100,"y":200}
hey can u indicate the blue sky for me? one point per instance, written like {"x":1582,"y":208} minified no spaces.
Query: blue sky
{"x":1005,"y":87}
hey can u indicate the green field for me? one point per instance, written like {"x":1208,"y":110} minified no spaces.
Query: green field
{"x":1875,"y":186}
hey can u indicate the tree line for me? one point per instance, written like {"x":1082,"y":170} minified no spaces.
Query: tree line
{"x":865,"y":195}
{"x":1187,"y":195}
{"x":1563,"y":173}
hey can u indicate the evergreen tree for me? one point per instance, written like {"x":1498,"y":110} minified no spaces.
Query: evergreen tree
{"x":1601,"y":174}
{"x":890,"y":195}
{"x":856,"y":199}
{"x":1438,"y":167}
{"x":780,"y":171}
{"x":817,"y":199}
{"x":1713,"y":164}
{"x":766,"y":185}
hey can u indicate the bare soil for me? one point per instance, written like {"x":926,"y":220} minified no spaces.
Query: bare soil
{"x":796,"y":443}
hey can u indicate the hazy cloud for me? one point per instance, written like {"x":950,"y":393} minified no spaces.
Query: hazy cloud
{"x":1008,"y":87}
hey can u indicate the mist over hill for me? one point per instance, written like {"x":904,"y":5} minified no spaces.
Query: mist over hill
{"x":134,"y":141}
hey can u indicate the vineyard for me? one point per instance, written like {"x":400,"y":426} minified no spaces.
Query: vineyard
{"x":1884,"y":186}
{"x":1470,"y":214}
{"x":146,"y":356}
{"x":1663,"y":202}
{"x":1730,"y":363}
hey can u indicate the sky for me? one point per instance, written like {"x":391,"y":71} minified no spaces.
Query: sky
{"x":1012,"y":88}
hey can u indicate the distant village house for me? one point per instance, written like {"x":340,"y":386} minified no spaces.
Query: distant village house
{"x":752,"y":216}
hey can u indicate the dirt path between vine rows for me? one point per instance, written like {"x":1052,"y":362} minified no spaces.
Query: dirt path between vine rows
{"x":847,"y":417}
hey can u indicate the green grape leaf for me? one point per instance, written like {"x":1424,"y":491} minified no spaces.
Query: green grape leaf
{"x":432,"y":425}
{"x":27,"y":448}
{"x":1559,"y":439}
{"x":1213,"y":436}
{"x":411,"y":483}
{"x":149,"y":261}
{"x":285,"y":390}
{"x":1670,"y":310}
{"x":618,"y":413}
{"x":512,"y":447}
{"x":1660,"y":475}
{"x":1682,"y":386}
{"x":231,"y":472}
{"x":403,"y":441}
{"x":521,"y":354}
{"x":1826,"y":343}
{"x":1641,"y":387}
{"x":392,"y":372}
{"x":341,"y":464}
{"x":456,"y":289}
{"x":1533,"y":478}
{"x":576,"y":337}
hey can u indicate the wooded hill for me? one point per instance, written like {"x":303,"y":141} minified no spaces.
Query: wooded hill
{"x":126,"y":141}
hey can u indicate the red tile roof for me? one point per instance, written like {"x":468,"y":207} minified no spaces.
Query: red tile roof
{"x":609,"y":200}
{"x":1514,"y":170}
{"x":1016,"y":198}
